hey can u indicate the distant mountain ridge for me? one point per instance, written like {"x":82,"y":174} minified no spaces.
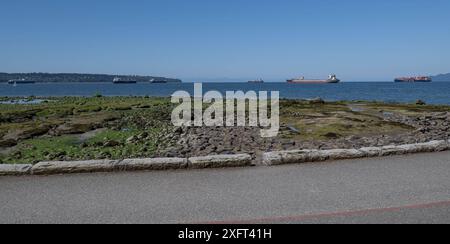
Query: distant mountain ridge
{"x":442,"y":77}
{"x":75,"y":77}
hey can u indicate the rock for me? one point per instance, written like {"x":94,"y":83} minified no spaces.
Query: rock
{"x":104,"y":155}
{"x":132,"y":140}
{"x":14,"y":169}
{"x":293,"y":130}
{"x":143,"y":135}
{"x":317,"y":100}
{"x":153,"y":164}
{"x":219,"y":161}
{"x":8,"y":142}
{"x":178,"y":130}
{"x":331,"y":135}
{"x":78,"y":128}
{"x":421,"y":102}
{"x":59,"y":167}
{"x":23,"y":134}
{"x":111,"y":143}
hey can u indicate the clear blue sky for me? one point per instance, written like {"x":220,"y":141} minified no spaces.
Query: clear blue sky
{"x":190,"y":39}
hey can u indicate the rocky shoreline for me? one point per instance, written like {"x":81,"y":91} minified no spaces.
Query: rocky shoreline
{"x":118,"y":128}
{"x":225,"y":140}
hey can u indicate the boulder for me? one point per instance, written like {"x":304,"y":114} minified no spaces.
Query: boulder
{"x":317,"y":100}
{"x":27,"y":133}
{"x":111,"y":143}
{"x":421,"y":102}
{"x":7,"y":142}
{"x":74,"y":128}
{"x":331,"y":135}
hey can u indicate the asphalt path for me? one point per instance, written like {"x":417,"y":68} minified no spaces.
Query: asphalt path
{"x":399,"y":189}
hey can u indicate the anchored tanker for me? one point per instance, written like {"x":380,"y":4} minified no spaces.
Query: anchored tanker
{"x":302,"y":80}
{"x":414,"y":79}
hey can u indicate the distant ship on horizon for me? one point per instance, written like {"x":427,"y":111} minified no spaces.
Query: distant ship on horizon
{"x":20,"y":81}
{"x":302,"y":80}
{"x":158,"y":81}
{"x":256,"y":81}
{"x":164,"y":81}
{"x":124,"y":81}
{"x":414,"y":79}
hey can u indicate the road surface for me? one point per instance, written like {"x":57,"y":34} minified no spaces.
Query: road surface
{"x":400,"y":189}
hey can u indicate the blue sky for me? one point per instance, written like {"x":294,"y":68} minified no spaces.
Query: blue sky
{"x":237,"y":39}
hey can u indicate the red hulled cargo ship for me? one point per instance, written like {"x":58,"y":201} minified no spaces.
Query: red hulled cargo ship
{"x":414,"y":79}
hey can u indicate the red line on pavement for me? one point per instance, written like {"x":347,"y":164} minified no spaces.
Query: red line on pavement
{"x":330,"y":214}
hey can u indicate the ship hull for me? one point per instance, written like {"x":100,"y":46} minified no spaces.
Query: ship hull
{"x":313,"y":81}
{"x":421,"y":79}
{"x":124,"y":82}
{"x":21,"y":82}
{"x":413,"y":81}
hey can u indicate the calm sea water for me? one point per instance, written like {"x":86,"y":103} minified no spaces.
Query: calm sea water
{"x":433,"y":93}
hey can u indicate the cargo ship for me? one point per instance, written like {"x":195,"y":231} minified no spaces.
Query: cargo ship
{"x":20,"y":81}
{"x":302,"y":80}
{"x":256,"y":81}
{"x":124,"y":81}
{"x":414,"y":79}
{"x":158,"y":81}
{"x":163,"y":80}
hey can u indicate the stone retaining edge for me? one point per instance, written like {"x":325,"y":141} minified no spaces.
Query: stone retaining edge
{"x":216,"y":161}
{"x":15,"y":169}
{"x":309,"y":156}
{"x":91,"y":166}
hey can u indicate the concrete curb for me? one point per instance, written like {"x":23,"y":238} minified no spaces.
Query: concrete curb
{"x":216,"y":161}
{"x":220,"y":161}
{"x":306,"y":156}
{"x":15,"y":169}
{"x":152,"y":164}
{"x":70,"y":167}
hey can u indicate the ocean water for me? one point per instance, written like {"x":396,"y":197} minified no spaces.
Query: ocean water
{"x":432,"y":93}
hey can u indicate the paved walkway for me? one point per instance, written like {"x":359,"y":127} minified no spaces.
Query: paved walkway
{"x":400,"y":189}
